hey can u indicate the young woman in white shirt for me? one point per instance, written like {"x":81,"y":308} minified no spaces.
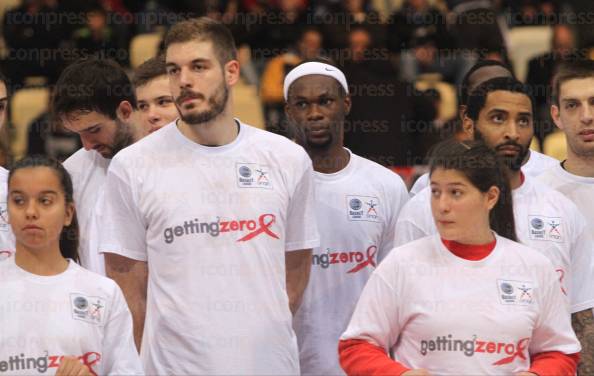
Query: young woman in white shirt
{"x":470,"y":300}
{"x":56,"y":317}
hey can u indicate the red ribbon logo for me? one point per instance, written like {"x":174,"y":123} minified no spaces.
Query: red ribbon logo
{"x":561,"y":276}
{"x":90,"y":359}
{"x":264,"y":228}
{"x":520,"y":347}
{"x":371,"y":251}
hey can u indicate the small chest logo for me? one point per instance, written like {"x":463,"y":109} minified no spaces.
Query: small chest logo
{"x":546,"y":228}
{"x":253,"y":175}
{"x":515,"y":292}
{"x":363,"y":208}
{"x":90,"y":309}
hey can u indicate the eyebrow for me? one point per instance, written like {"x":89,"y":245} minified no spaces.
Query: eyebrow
{"x":450,"y":184}
{"x":3,"y":99}
{"x":199,"y":60}
{"x":48,"y":191}
{"x":90,"y":128}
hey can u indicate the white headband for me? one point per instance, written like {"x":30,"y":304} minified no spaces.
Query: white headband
{"x":307,"y":69}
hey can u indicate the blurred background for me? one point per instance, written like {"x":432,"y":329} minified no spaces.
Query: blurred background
{"x":404,"y":60}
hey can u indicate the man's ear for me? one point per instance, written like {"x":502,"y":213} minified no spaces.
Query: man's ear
{"x":124,"y":111}
{"x":231,"y":70}
{"x":468,"y":127}
{"x":556,"y":116}
{"x":347,"y":104}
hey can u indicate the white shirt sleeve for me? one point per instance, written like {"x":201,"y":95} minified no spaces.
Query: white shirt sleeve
{"x":399,"y":197}
{"x":376,"y":318}
{"x":553,"y":331}
{"x":119,"y":351}
{"x":301,"y":228}
{"x":582,"y":268}
{"x":122,"y":228}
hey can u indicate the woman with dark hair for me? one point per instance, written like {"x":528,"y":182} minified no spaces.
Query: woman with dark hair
{"x":469,"y":300}
{"x":61,"y":316}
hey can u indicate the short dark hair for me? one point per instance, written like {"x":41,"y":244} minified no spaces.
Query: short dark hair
{"x":484,"y":169}
{"x":478,"y":97}
{"x":570,"y":70}
{"x":465,"y":85}
{"x":92,"y":85}
{"x":204,"y":29}
{"x":149,"y":70}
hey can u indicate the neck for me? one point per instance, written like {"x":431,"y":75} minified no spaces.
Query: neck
{"x":330,"y":160}
{"x":579,"y":165}
{"x":477,"y":238}
{"x":473,"y":252}
{"x":218,"y":132}
{"x":44,"y":262}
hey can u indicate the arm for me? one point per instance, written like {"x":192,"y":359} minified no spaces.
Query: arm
{"x":297,"y":266}
{"x":583,"y":325}
{"x":131,"y":275}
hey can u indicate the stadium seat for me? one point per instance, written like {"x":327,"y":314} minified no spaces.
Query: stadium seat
{"x":143,"y":47}
{"x":554,"y":145}
{"x":248,"y":107}
{"x":25,"y":106}
{"x":525,"y":43}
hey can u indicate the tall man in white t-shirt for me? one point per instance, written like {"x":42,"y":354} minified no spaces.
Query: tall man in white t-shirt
{"x":573,"y":112}
{"x":534,"y":162}
{"x":95,"y":99}
{"x":223,"y":215}
{"x":155,"y":102}
{"x":500,"y":113}
{"x":6,"y":235}
{"x":357,"y":205}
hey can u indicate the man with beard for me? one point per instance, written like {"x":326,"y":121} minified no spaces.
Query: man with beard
{"x":224,"y":215}
{"x":95,"y":99}
{"x":534,"y":163}
{"x":357,"y":205}
{"x":573,"y":112}
{"x":500,"y":113}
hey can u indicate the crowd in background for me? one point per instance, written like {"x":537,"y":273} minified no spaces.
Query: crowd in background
{"x":384,"y":47}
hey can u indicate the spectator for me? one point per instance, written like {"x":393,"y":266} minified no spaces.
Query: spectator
{"x":307,"y":47}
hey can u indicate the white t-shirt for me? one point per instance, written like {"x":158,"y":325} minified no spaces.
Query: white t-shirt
{"x":537,"y":164}
{"x":453,"y":316}
{"x":356,"y":211}
{"x":214,"y":224}
{"x":75,"y":313}
{"x":88,"y":170}
{"x":7,"y":241}
{"x":545,"y":220}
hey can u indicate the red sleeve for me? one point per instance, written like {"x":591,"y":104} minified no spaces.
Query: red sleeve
{"x":554,"y":363}
{"x":358,"y":357}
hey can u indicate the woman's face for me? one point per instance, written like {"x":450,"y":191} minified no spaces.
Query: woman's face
{"x":37,"y":209}
{"x":460,"y":210}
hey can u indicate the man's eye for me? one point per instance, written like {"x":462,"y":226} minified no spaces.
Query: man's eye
{"x":94,"y":130}
{"x":163,"y":102}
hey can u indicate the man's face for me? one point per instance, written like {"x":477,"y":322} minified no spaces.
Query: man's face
{"x":98,"y":132}
{"x":155,"y":103}
{"x":197,"y":81}
{"x":316,"y":109}
{"x":505,"y":125}
{"x":3,"y":103}
{"x":575,"y":115}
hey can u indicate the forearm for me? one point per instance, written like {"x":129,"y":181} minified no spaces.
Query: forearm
{"x":583,"y":325}
{"x":298,"y":266}
{"x":132,"y":278}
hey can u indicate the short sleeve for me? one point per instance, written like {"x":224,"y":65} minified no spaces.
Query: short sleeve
{"x":398,"y":197}
{"x":376,"y":318}
{"x":415,"y":220}
{"x":581,"y":293}
{"x":119,"y":351}
{"x":123,"y":230}
{"x":553,"y":331}
{"x":302,"y":229}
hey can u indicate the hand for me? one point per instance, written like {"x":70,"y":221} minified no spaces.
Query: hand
{"x":416,"y":372}
{"x":525,"y":373}
{"x":71,"y":366}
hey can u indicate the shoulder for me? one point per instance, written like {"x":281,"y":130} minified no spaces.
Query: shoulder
{"x":94,"y":281}
{"x":81,"y":156}
{"x":278,"y":147}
